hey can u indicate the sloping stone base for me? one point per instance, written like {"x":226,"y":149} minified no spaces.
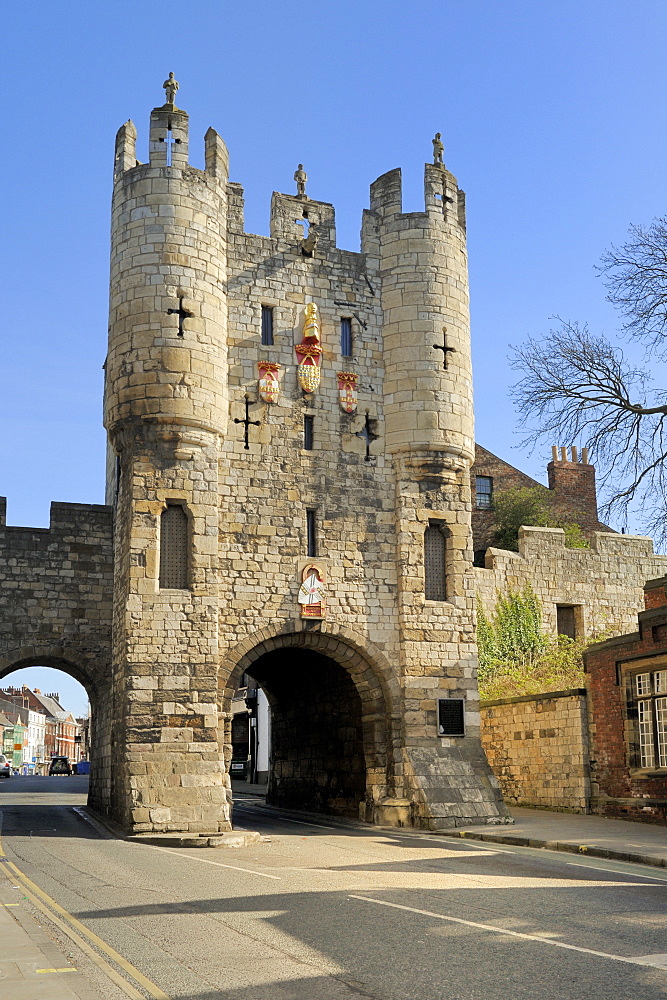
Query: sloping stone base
{"x":453,"y":786}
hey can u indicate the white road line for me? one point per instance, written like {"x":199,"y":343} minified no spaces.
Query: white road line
{"x":205,"y":861}
{"x":300,"y":822}
{"x":614,"y":871}
{"x":516,"y":934}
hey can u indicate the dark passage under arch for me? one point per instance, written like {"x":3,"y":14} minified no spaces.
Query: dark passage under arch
{"x":317,"y":741}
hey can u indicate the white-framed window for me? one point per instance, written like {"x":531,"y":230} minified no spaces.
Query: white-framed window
{"x":650,"y":690}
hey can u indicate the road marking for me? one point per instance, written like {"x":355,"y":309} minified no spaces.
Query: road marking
{"x":70,"y":925}
{"x":614,"y":871}
{"x":299,"y":822}
{"x":205,"y":861}
{"x":68,"y":969}
{"x":11,"y":904}
{"x":645,"y":960}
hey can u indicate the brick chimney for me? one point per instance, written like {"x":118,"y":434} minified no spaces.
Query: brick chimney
{"x":572,"y":481}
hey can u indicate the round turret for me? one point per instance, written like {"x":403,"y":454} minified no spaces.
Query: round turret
{"x":426,"y":324}
{"x":167,"y":355}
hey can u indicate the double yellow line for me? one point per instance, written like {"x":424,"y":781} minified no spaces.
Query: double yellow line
{"x":85,"y":939}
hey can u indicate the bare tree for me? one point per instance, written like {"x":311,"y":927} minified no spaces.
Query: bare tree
{"x":579,"y":387}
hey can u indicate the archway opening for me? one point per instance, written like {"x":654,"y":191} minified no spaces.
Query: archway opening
{"x":44,"y":713}
{"x":318,"y":757}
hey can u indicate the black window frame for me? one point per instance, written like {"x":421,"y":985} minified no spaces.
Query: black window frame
{"x":483,"y":498}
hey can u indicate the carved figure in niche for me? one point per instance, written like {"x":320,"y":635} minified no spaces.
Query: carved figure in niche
{"x":269,"y":386}
{"x":170,"y":86}
{"x":438,"y":148}
{"x":312,"y":593}
{"x":309,"y":352}
{"x":300,"y":176}
{"x":347,"y":391}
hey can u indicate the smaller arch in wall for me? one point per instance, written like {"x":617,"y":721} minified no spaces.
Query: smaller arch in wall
{"x":94,"y":676}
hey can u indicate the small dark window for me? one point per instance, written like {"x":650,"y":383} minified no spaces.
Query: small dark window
{"x":435,"y":563}
{"x":483,"y":492}
{"x":451,"y":719}
{"x":311,"y":533}
{"x":565,"y":621}
{"x":174,"y":548}
{"x":346,"y":337}
{"x":267,"y":325}
{"x":308,"y":433}
{"x":479,"y":558}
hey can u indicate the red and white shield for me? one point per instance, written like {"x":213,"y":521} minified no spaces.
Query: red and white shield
{"x":347,"y":391}
{"x":269,"y":386}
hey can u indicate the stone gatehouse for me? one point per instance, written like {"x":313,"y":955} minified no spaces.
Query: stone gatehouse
{"x":290,"y":441}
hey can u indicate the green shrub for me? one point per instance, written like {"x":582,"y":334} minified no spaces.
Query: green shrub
{"x":517,"y":658}
{"x":530,"y":505}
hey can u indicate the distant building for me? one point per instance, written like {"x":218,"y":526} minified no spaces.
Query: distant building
{"x":61,"y":734}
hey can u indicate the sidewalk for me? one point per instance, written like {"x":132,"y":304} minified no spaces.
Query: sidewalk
{"x":596,"y":836}
{"x":32,"y":967}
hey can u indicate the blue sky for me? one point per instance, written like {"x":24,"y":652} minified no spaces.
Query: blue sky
{"x":553,"y":118}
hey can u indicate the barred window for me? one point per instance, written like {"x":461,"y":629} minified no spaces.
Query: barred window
{"x":652,"y":717}
{"x":483,"y":492}
{"x":174,"y":546}
{"x":435,"y":562}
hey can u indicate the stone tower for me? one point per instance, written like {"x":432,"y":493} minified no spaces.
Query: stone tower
{"x":236,"y":479}
{"x":165,"y":413}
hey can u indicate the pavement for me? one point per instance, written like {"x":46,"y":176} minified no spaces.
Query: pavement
{"x":32,"y":967}
{"x":596,"y":836}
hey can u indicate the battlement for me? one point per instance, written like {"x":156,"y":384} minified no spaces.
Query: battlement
{"x":169,"y":145}
{"x":443,"y":199}
{"x":603,"y":583}
{"x":66,"y":519}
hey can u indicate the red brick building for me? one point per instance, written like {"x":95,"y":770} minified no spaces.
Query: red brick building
{"x":627,"y":687}
{"x":571,"y":489}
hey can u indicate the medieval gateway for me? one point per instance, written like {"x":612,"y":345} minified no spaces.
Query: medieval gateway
{"x":290,"y":435}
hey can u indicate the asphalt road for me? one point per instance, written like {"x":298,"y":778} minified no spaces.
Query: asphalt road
{"x":324,"y":912}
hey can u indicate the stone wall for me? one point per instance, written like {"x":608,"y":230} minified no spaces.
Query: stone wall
{"x":537,"y":746}
{"x":603,"y":583}
{"x":55,"y":611}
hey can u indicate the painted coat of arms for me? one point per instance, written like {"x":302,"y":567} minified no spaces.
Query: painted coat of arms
{"x":347,"y":391}
{"x":311,"y":593}
{"x":269,"y":386}
{"x":309,"y":352}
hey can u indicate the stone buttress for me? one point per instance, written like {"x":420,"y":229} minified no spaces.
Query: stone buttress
{"x":165,"y":413}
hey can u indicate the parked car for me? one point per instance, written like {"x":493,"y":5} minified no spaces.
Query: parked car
{"x":60,"y":765}
{"x":5,"y":766}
